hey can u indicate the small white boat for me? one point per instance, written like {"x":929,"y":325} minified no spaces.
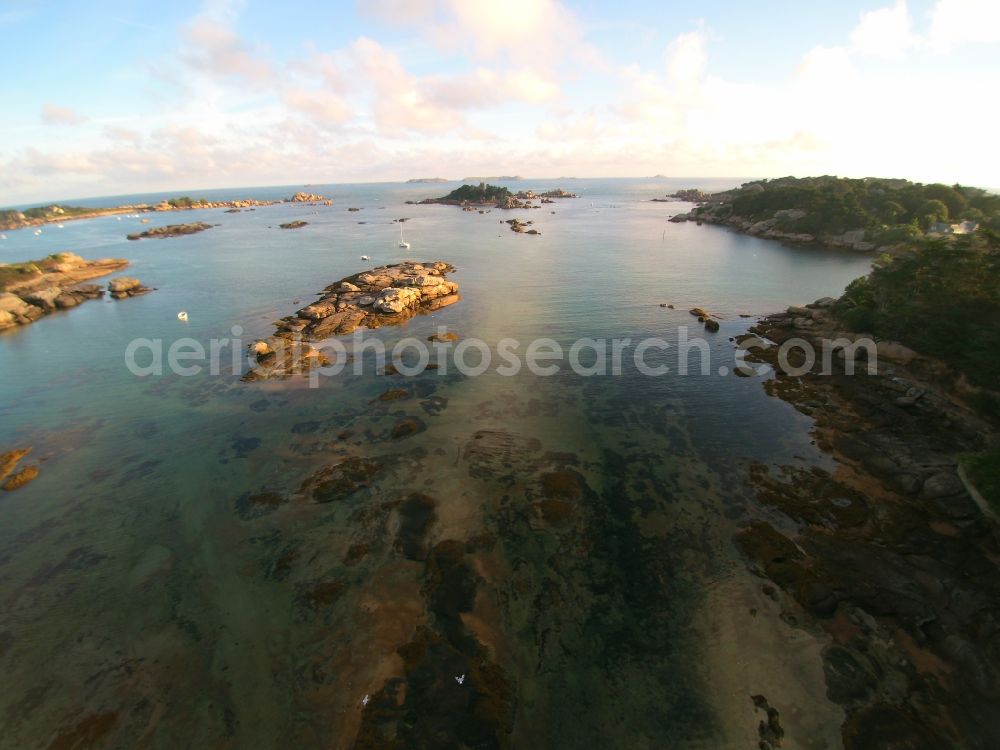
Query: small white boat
{"x":3,"y":236}
{"x":365,"y":257}
{"x":60,"y":226}
{"x":402,"y":242}
{"x":38,"y":232}
{"x":183,"y":316}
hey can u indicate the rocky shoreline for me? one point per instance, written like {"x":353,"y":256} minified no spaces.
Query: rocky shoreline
{"x":57,"y":284}
{"x":12,"y":219}
{"x":852,"y":240}
{"x":386,"y":295}
{"x":888,"y":554}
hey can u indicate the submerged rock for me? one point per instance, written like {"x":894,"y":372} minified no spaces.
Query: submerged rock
{"x":282,"y":357}
{"x":10,"y":460}
{"x":342,"y":480}
{"x":21,"y":478}
{"x":407,"y":427}
{"x":297,"y":224}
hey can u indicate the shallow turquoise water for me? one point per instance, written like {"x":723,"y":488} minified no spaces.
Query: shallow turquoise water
{"x":185,"y":622}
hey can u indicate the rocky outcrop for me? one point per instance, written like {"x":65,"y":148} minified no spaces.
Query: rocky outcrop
{"x":298,"y":224}
{"x":37,"y":288}
{"x":126,"y":286}
{"x":521,"y":227}
{"x":301,"y":197}
{"x":171,"y":230}
{"x":387,"y":295}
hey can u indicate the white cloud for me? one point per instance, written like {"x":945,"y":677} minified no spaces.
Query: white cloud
{"x":324,"y":107}
{"x":214,"y":47}
{"x":956,"y":22}
{"x":886,"y":32}
{"x":485,"y":29}
{"x":687,"y":58}
{"x":53,"y":114}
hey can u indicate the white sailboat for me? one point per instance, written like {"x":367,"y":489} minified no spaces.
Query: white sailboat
{"x":402,"y":242}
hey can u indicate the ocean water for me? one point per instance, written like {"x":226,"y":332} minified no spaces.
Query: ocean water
{"x":563,"y":542}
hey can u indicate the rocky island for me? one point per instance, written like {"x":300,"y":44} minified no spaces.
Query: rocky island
{"x":297,"y":224}
{"x":472,"y":196}
{"x":386,"y":295}
{"x":310,"y":198}
{"x":31,"y":290}
{"x":171,"y":230}
{"x":864,"y":215}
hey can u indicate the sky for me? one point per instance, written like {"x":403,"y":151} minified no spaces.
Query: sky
{"x":113,"y":97}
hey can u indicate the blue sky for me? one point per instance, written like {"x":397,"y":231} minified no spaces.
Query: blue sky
{"x":115,"y":97}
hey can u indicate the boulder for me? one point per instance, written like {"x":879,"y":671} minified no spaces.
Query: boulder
{"x":124,"y":284}
{"x":66,"y":262}
{"x":397,"y":299}
{"x":895,"y":352}
{"x":44,"y":298}
{"x":7,"y":320}
{"x":67,"y":300}
{"x":318,"y":311}
{"x":943,"y":484}
{"x":13,"y":304}
{"x":437,"y":304}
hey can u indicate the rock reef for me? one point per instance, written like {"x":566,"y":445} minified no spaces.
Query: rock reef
{"x":171,"y":230}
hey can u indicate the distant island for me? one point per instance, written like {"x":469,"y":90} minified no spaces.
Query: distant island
{"x":470,"y":196}
{"x":859,"y":214}
{"x":496,"y":178}
{"x":426,"y":180}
